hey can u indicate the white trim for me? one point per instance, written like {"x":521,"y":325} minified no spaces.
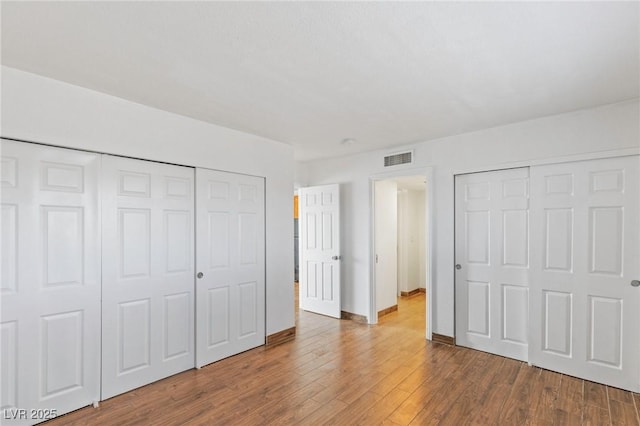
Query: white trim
{"x":429,"y":227}
{"x":427,"y":172}
{"x":372,"y":317}
{"x":551,"y":160}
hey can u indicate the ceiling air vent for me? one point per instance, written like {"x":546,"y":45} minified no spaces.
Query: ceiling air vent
{"x":397,"y":159}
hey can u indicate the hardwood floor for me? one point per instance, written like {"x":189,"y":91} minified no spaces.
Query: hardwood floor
{"x":339,"y":372}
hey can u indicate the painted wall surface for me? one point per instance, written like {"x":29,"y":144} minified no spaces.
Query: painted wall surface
{"x":386,"y":231}
{"x":421,"y":232}
{"x":593,"y":131}
{"x":411,"y":255}
{"x":403,"y":243}
{"x":42,"y":110}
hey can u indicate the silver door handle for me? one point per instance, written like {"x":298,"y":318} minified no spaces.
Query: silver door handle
{"x":635,"y":283}
{"x":458,"y":266}
{"x":200,"y":275}
{"x":336,"y":257}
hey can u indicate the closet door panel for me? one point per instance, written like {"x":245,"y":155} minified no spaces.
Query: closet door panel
{"x":148,"y":312}
{"x":492,"y":251}
{"x":231,"y":257}
{"x":50,"y":325}
{"x":585,"y":255}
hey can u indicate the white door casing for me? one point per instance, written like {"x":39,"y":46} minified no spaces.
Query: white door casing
{"x":50,"y":325}
{"x":585,"y":222}
{"x":230,"y":247}
{"x":492,"y":251}
{"x":148,"y":272}
{"x":386,"y":243}
{"x":320,"y":249}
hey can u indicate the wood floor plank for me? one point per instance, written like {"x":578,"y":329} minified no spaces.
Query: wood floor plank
{"x":595,"y":394}
{"x":408,"y":409}
{"x":437,"y":406}
{"x":623,"y":413}
{"x":294,"y":398}
{"x":339,"y":372}
{"x":466,"y":405}
{"x":326,"y":411}
{"x":620,"y":395}
{"x":291,"y":414}
{"x":516,"y":407}
{"x":596,"y":416}
{"x":570,"y":401}
{"x":383,"y":408}
{"x":544,"y":397}
{"x":388,"y":383}
{"x":496,"y":394}
{"x":354,"y":410}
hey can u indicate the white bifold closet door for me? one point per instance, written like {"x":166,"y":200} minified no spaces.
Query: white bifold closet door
{"x":50,"y":321}
{"x":230,"y":289}
{"x":148,"y":275}
{"x":585,"y":312}
{"x":492,"y":261}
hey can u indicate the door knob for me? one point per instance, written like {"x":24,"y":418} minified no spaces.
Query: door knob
{"x":336,"y":257}
{"x":200,"y":275}
{"x":635,"y":283}
{"x":458,"y":266}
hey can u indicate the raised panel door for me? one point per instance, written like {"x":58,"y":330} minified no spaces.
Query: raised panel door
{"x":320,"y":250}
{"x":50,"y":320}
{"x":230,"y":290}
{"x":585,"y":224}
{"x":492,"y":251}
{"x":148,"y":273}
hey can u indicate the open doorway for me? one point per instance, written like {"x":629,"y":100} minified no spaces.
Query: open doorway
{"x":400,"y":241}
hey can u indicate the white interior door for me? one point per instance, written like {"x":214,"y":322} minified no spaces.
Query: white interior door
{"x":320,"y":249}
{"x":386,"y":243}
{"x":50,"y":325}
{"x":492,"y":261}
{"x":148,"y":272}
{"x":230,"y":246}
{"x":586,"y":251}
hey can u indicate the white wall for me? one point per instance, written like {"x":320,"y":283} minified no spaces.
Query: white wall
{"x":411,"y":260}
{"x":422,"y":239}
{"x":42,"y":110}
{"x":592,"y":131}
{"x":403,"y":241}
{"x":416,"y":212}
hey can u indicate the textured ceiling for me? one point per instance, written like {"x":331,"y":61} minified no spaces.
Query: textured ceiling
{"x":313,"y":74}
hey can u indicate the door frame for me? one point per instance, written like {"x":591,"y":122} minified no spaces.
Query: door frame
{"x":427,"y":172}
